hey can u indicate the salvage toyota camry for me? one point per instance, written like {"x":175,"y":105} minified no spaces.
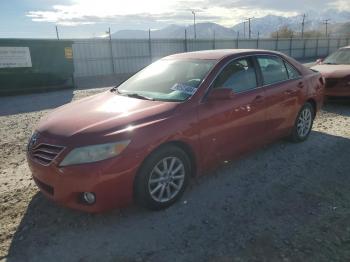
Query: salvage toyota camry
{"x":336,"y":70}
{"x":179,"y":117}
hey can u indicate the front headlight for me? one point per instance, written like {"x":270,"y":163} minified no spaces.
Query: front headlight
{"x":89,"y":154}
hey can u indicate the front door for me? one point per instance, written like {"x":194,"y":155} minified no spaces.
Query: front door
{"x":231,"y":126}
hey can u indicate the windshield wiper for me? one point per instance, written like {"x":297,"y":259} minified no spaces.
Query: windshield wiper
{"x":330,"y":63}
{"x":115,"y":89}
{"x":136,"y":95}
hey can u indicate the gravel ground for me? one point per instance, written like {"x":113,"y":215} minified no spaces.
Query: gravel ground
{"x":285,"y":202}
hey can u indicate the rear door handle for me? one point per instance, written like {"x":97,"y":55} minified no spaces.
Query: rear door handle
{"x":258,"y":99}
{"x":300,"y":84}
{"x":289,"y":92}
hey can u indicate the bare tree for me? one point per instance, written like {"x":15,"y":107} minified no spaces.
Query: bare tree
{"x":283,"y":32}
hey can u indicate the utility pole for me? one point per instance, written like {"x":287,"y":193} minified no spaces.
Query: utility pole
{"x":111,"y":49}
{"x":185,"y":40}
{"x":249,"y":27}
{"x":58,"y":38}
{"x":244,"y":29}
{"x":109,"y":34}
{"x":194,"y":24}
{"x":326,"y":22}
{"x":303,"y":26}
{"x":150,"y":45}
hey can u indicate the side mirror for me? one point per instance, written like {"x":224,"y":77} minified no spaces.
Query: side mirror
{"x":319,"y":61}
{"x":220,"y":94}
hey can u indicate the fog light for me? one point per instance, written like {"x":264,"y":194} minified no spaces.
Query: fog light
{"x":89,"y":197}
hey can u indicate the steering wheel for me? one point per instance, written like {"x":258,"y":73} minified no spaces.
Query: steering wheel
{"x":193,"y":82}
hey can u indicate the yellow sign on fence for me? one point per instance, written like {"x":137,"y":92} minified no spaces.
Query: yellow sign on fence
{"x":68,"y":52}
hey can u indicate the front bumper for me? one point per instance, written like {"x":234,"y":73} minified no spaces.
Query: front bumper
{"x":337,"y":87}
{"x":110,"y":180}
{"x":338,"y":92}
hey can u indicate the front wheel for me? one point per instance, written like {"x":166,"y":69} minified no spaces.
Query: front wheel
{"x":303,"y":123}
{"x":163,"y":177}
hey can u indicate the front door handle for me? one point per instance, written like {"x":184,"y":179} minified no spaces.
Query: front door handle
{"x":258,"y":99}
{"x":300,"y":84}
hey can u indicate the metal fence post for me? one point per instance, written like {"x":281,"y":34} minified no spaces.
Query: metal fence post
{"x":338,"y":43}
{"x":73,"y":81}
{"x":290,"y":45}
{"x":257,"y":41}
{"x":150,"y":45}
{"x":276,"y":47}
{"x":111,"y":49}
{"x":316,"y":47}
{"x":214,"y":40}
{"x":328,"y":46}
{"x":304,"y":47}
{"x":185,"y":42}
{"x":348,"y":41}
{"x":237,"y":40}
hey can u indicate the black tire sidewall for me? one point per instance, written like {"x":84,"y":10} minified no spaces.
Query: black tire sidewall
{"x":142,"y":194}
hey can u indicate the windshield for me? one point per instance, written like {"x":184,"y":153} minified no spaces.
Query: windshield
{"x":340,"y":57}
{"x":167,"y":80}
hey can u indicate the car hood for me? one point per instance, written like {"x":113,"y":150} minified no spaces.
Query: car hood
{"x":102,"y":114}
{"x":332,"y":71}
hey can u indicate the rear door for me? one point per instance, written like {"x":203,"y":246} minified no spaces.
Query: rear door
{"x":231,"y":126}
{"x":283,"y":87}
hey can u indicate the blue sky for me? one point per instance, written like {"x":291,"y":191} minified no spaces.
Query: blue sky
{"x":15,"y":22}
{"x":91,"y":18}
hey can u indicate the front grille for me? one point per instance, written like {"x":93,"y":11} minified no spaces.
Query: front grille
{"x":45,"y":187}
{"x":45,"y":153}
{"x":331,"y":82}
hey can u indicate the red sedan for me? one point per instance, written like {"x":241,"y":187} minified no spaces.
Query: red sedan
{"x":336,"y":70}
{"x":179,"y":117}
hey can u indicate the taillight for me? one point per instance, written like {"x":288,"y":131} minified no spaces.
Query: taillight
{"x":347,"y":80}
{"x":322,"y":80}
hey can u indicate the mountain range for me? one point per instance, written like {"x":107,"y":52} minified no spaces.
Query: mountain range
{"x":339,"y":25}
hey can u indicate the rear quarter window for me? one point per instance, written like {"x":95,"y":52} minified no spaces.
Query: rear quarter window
{"x":273,"y":69}
{"x":292,"y":72}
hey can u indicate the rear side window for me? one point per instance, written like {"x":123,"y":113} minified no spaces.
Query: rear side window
{"x":292,"y":72}
{"x":272,"y":69}
{"x":239,"y":76}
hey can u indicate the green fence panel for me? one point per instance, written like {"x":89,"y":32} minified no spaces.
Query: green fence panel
{"x":52,"y":67}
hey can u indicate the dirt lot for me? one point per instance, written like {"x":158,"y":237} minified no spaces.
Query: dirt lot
{"x":285,"y":202}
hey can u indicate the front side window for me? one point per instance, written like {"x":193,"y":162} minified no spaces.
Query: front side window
{"x":272,"y":69}
{"x":167,"y":79}
{"x":239,"y":76}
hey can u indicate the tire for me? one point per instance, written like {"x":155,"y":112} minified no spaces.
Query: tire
{"x":155,"y":186}
{"x":303,"y":123}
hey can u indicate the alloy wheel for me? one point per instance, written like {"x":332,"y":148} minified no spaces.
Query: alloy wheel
{"x":166,"y":179}
{"x":304,"y":122}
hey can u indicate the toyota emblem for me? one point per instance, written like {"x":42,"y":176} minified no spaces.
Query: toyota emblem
{"x":33,"y":140}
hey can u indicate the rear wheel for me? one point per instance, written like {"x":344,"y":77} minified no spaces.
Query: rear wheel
{"x":303,"y":123}
{"x":162,"y":178}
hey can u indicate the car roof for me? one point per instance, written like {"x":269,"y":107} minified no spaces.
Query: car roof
{"x":219,"y":53}
{"x":345,"y":47}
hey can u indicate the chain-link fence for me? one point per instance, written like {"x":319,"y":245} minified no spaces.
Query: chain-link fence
{"x":120,"y":57}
